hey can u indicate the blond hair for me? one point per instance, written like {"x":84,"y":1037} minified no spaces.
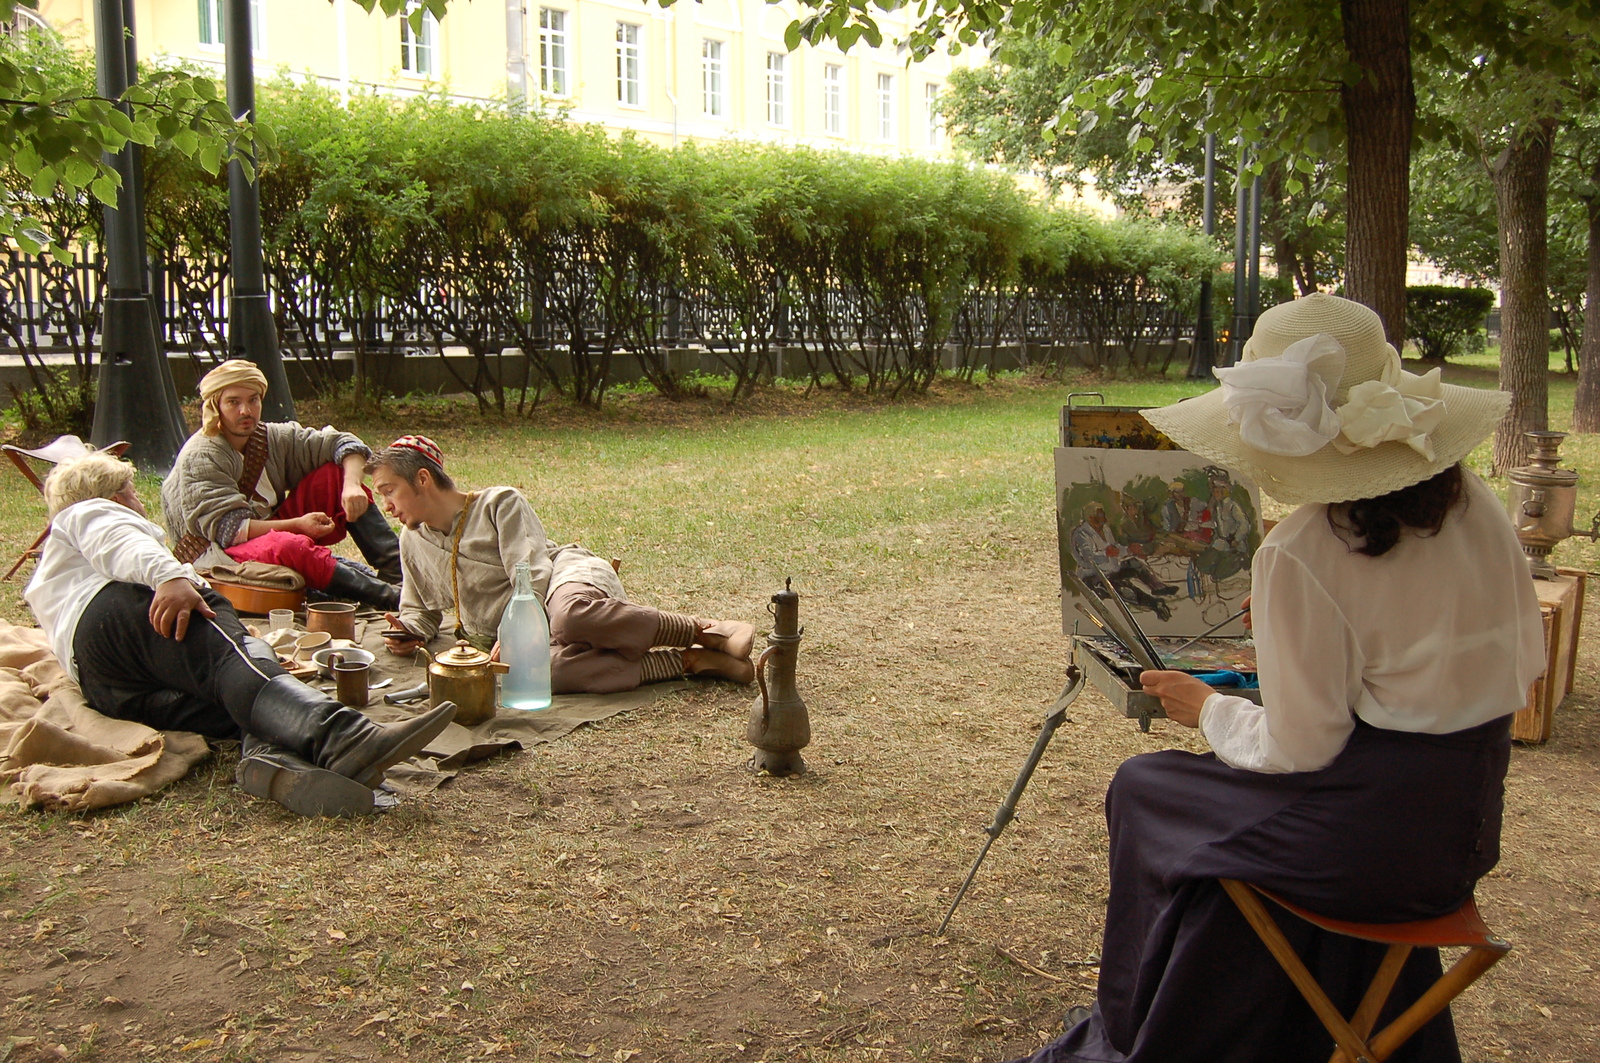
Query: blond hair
{"x":95,"y":475}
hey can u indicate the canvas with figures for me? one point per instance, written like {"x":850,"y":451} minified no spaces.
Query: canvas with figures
{"x":1172,"y":534}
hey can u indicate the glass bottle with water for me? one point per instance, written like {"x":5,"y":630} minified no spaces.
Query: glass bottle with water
{"x":525,"y":646}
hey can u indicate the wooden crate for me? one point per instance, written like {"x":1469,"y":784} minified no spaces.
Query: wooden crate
{"x":1561,"y":605}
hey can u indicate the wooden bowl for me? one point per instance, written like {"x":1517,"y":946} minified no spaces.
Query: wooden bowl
{"x":258,"y":601}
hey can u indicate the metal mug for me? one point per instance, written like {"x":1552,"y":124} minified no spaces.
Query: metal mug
{"x":350,"y":681}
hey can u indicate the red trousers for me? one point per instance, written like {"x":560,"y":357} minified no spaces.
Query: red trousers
{"x":321,"y":491}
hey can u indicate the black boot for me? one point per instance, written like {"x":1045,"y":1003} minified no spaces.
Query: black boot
{"x":272,"y":772}
{"x":377,"y":543}
{"x":350,"y":582}
{"x":342,"y":740}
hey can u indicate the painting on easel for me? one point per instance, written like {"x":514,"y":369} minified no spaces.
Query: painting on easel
{"x":1172,"y":534}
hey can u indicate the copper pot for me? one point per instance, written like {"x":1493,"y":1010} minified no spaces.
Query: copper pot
{"x":336,"y":618}
{"x":464,"y":675}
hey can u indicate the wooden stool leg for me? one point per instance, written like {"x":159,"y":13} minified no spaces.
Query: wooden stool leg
{"x":1465,"y":971}
{"x":1349,"y":1042}
{"x":1377,"y":994}
{"x":31,"y":551}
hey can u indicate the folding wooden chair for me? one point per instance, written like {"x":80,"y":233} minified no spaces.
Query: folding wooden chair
{"x":1463,"y":927}
{"x":58,"y":450}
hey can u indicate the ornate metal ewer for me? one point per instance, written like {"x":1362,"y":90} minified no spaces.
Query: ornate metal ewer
{"x":779,"y":725}
{"x":1541,"y":500}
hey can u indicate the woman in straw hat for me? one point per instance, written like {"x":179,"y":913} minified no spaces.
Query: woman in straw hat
{"x":1396,"y":631}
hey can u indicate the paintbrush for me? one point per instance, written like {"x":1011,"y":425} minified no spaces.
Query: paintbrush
{"x":1207,"y":631}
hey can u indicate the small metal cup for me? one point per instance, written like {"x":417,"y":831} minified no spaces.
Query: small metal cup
{"x":350,"y":681}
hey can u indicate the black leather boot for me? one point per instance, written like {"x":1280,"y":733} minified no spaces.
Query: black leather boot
{"x":378,"y":543}
{"x":350,"y":582}
{"x":270,"y":771}
{"x":342,"y":740}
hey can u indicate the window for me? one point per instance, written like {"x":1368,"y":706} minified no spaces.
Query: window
{"x":885,"y":106}
{"x":833,"y":99}
{"x":552,"y":51}
{"x":930,"y":101}
{"x":777,"y":88}
{"x":213,"y":31}
{"x":711,"y":79}
{"x":628,"y":58}
{"x":419,"y":49}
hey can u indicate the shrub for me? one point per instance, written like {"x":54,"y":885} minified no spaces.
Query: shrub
{"x":1443,"y":321}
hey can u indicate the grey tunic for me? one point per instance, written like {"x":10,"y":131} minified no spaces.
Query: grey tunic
{"x":201,"y":496}
{"x":501,"y":530}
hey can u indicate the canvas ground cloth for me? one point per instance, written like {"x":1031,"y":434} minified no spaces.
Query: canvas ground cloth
{"x":58,"y":753}
{"x":509,"y":729}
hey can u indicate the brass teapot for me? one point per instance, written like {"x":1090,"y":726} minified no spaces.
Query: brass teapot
{"x":465,"y":675}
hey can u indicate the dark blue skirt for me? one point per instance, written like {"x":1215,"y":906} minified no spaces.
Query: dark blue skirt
{"x":1399,"y":827}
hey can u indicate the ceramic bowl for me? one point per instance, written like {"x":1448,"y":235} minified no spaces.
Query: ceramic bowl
{"x":351,"y":656}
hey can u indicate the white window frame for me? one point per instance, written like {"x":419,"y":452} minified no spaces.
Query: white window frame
{"x":419,"y":55}
{"x":554,"y":48}
{"x":886,"y":107}
{"x":778,"y":88}
{"x":930,"y":103}
{"x":713,"y":78}
{"x":833,"y":99}
{"x":213,"y":37}
{"x":630,"y":64}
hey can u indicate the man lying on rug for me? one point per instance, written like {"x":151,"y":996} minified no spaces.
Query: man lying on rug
{"x":460,"y":549}
{"x":244,"y":490}
{"x":147,"y":640}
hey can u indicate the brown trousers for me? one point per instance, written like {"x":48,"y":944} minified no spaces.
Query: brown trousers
{"x":597,"y":642}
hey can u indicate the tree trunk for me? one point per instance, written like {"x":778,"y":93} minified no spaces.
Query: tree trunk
{"x":1378,"y":112}
{"x":1521,"y":175}
{"x":1586,"y":405}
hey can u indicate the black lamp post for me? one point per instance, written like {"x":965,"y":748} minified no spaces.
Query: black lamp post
{"x":1255,"y":254}
{"x":252,"y":333}
{"x":1205,"y":333}
{"x":1241,"y":235}
{"x":136,"y":400}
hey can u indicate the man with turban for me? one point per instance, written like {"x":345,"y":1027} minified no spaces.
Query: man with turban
{"x":245,"y":490}
{"x":460,"y":550}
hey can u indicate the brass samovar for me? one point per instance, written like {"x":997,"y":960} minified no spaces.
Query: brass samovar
{"x":1541,"y":500}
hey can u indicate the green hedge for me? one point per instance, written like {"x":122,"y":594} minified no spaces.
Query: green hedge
{"x":483,"y":228}
{"x":1443,"y":321}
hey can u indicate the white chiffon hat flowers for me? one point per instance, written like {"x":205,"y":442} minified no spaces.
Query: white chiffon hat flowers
{"x":1319,"y":410}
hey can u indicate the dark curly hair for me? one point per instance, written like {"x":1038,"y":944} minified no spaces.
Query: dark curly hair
{"x":1372,"y":526}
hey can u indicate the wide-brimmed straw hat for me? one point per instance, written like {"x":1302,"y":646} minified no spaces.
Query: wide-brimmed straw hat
{"x":1319,"y":410}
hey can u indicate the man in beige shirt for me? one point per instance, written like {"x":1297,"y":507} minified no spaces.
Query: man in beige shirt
{"x":458,"y":551}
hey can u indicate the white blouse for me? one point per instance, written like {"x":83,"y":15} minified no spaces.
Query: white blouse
{"x":1440,"y":634}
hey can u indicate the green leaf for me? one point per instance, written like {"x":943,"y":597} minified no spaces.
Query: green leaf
{"x":211,"y":157}
{"x":186,"y":141}
{"x":104,"y":188}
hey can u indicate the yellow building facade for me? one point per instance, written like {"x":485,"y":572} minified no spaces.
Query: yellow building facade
{"x":699,"y":70}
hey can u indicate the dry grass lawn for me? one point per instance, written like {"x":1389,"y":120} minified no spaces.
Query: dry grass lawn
{"x":632,"y":891}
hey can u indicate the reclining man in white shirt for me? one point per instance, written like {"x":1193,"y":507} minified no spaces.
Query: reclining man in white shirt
{"x":147,"y":640}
